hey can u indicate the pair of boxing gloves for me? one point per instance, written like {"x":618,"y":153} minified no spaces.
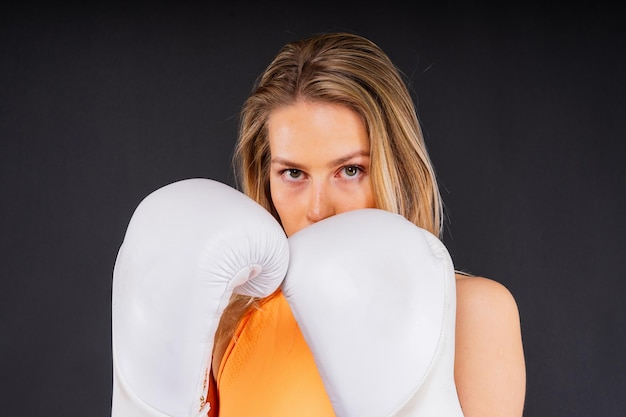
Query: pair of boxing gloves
{"x":373,"y":294}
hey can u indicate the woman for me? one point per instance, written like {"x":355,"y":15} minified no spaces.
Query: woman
{"x":331,"y":128}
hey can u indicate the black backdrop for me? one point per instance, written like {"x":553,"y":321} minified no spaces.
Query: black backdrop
{"x":523,"y":111}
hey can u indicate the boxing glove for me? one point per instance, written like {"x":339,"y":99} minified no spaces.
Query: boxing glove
{"x":187,"y":247}
{"x":375,"y":298}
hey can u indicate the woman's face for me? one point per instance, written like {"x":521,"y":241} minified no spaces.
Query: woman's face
{"x":320,"y":163}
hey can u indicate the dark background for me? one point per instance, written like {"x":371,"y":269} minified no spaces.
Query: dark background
{"x":523,"y":111}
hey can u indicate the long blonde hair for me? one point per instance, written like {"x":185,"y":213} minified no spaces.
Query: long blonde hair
{"x":350,"y":70}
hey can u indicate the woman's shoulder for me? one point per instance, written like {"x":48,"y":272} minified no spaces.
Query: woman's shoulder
{"x":486,"y":314}
{"x":489,"y":366}
{"x":483,"y":293}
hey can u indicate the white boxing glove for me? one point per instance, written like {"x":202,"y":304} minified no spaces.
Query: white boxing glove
{"x":188,"y":246}
{"x":375,"y":298}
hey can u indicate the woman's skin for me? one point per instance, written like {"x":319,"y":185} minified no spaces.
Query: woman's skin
{"x":320,"y":163}
{"x":320,"y":167}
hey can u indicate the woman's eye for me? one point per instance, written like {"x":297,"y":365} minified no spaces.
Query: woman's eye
{"x":293,"y":173}
{"x":351,"y":170}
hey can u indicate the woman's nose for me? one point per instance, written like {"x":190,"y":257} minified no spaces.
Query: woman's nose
{"x":320,"y":203}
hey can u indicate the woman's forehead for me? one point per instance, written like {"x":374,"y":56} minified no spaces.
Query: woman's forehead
{"x":319,"y":132}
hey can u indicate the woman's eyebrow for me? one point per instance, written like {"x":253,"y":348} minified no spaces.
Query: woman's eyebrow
{"x":344,"y":159}
{"x":334,"y":162}
{"x":285,"y":162}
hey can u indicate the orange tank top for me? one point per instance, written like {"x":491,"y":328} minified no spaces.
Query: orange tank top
{"x":268,"y":369}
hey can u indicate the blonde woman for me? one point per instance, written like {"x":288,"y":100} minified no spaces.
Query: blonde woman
{"x":330,"y":127}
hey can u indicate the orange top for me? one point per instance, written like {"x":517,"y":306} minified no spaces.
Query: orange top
{"x":269,"y":370}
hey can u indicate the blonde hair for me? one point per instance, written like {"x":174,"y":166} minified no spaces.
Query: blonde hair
{"x":346,"y":69}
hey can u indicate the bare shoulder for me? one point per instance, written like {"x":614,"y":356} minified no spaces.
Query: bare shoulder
{"x":486,"y":312}
{"x":489,"y":365}
{"x":483,"y":295}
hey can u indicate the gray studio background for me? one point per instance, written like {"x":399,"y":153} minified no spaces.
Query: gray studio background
{"x":523,"y":112}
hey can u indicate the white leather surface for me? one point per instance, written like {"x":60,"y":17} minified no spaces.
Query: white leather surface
{"x":187,"y":247}
{"x":375,"y":298}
